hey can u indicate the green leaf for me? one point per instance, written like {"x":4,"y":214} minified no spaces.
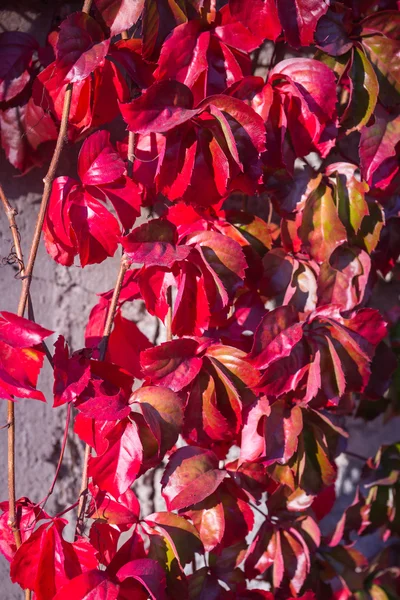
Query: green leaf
{"x":364,"y":89}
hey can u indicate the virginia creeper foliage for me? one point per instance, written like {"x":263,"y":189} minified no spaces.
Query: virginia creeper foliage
{"x":260,"y":155}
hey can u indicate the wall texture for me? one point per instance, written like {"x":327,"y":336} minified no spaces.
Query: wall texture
{"x":62,"y":300}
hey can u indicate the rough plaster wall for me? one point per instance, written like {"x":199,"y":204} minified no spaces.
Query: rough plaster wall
{"x":62,"y":300}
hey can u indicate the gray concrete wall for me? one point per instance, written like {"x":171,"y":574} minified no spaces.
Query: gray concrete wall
{"x":62,"y":300}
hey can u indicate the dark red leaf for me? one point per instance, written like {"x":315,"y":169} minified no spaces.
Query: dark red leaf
{"x":162,"y":410}
{"x":378,"y":160}
{"x":149,"y":573}
{"x":162,"y":107}
{"x":173,"y":364}
{"x":191,"y":475}
{"x":16,"y":49}
{"x":154,"y":243}
{"x":124,"y":511}
{"x":299,"y":22}
{"x":80,"y":48}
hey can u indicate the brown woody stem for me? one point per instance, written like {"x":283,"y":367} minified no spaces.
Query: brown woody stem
{"x":131,"y":153}
{"x":124,"y":266}
{"x":11,"y":213}
{"x":87,"y":5}
{"x":48,"y":182}
{"x":26,"y":283}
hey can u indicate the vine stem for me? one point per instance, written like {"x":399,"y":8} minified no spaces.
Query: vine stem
{"x":60,"y":458}
{"x":48,"y":181}
{"x":25,"y":292}
{"x":11,"y":214}
{"x":131,"y":153}
{"x":124,"y":266}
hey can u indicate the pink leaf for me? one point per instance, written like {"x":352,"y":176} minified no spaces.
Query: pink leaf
{"x":119,"y":15}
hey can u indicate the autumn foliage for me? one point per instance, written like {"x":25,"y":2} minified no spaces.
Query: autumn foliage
{"x":267,"y":190}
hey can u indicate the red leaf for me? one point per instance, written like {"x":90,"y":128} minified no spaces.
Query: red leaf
{"x":299,"y":22}
{"x":162,"y":410}
{"x":16,"y":49}
{"x":92,"y":585}
{"x":58,"y":238}
{"x":154,"y":243}
{"x":172,"y":364}
{"x":321,"y":357}
{"x":270,"y":433}
{"x":93,"y":432}
{"x":192,"y":51}
{"x":149,"y":573}
{"x":222,"y":255}
{"x":116,"y":469}
{"x":45,"y":562}
{"x":24,"y":133}
{"x":191,"y":475}
{"x":98,"y":162}
{"x":179,"y":532}
{"x":124,"y":511}
{"x":119,"y":15}
{"x":80,"y":48}
{"x":21,"y":356}
{"x":71,"y":374}
{"x":260,"y":17}
{"x":125,"y":345}
{"x":378,"y":149}
{"x":344,"y":279}
{"x":96,"y":230}
{"x":28,"y":514}
{"x":311,"y":111}
{"x":162,"y":107}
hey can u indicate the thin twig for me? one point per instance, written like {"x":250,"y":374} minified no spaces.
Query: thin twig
{"x":258,"y":510}
{"x":169,"y":314}
{"x":61,"y":457}
{"x":124,"y":266}
{"x":11,"y":213}
{"x":131,"y":153}
{"x":87,"y":5}
{"x":80,"y":522}
{"x":12,"y":517}
{"x":48,"y":182}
